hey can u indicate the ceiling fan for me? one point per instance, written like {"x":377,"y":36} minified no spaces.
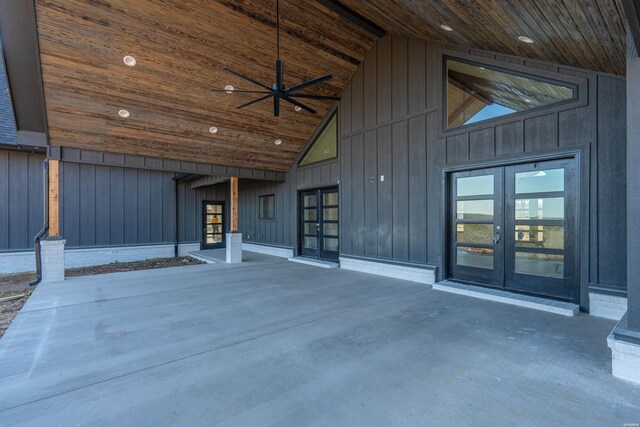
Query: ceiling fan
{"x":278,"y":91}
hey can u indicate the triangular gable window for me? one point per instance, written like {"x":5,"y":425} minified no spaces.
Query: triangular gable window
{"x":476,"y":92}
{"x":325,"y":146}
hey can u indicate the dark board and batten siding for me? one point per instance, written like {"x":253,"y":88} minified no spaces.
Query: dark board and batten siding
{"x":391,"y":125}
{"x":113,"y":206}
{"x":190,"y":208}
{"x":282,"y":230}
{"x":383,"y":134}
{"x":21,"y":199}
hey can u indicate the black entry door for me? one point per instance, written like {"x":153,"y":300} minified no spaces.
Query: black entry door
{"x":319,"y":227}
{"x":212,"y":225}
{"x":514,"y":228}
{"x":477,"y":224}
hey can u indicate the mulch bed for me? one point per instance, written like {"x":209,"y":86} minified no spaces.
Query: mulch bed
{"x":18,"y":284}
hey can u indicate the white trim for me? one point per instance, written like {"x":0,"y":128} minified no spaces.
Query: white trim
{"x":17,"y":262}
{"x":625,"y":359}
{"x":20,"y":262}
{"x":206,"y":260}
{"x":184,"y":249}
{"x":414,"y":274}
{"x":607,"y":306}
{"x":314,"y":262}
{"x":511,"y":298}
{"x":268,"y":250}
{"x":86,"y":257}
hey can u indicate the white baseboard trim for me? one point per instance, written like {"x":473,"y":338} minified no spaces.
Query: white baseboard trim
{"x":404,"y":272}
{"x":268,"y":250}
{"x":314,"y":262}
{"x":86,"y":257}
{"x":607,"y":306}
{"x":511,"y":298}
{"x":20,"y":262}
{"x":17,"y":262}
{"x":185,"y":248}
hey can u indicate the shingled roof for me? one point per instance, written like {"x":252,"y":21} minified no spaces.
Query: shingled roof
{"x":7,"y":119}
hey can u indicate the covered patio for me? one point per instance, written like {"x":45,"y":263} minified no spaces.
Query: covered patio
{"x":270,"y":342}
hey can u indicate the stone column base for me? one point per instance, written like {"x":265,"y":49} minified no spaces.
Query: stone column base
{"x":625,"y":352}
{"x":625,"y":359}
{"x":52,"y":253}
{"x":234,"y":247}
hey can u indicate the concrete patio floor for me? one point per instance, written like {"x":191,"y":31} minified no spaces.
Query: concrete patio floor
{"x":269,"y":342}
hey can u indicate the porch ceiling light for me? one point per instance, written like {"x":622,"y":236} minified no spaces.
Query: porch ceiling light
{"x":129,"y":60}
{"x":525,"y":39}
{"x":228,"y":88}
{"x":277,"y":141}
{"x":213,"y":129}
{"x":124,"y":114}
{"x":446,"y":27}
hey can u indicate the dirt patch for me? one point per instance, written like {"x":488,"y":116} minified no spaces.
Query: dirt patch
{"x":18,"y":284}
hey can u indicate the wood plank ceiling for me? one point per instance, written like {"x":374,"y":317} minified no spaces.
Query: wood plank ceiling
{"x":581,"y":33}
{"x":180,"y":47}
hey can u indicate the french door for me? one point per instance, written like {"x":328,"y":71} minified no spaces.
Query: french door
{"x":212,"y":225}
{"x":513,"y":227}
{"x":319,"y":226}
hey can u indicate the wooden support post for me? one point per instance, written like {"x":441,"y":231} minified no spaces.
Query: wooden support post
{"x":54,"y":198}
{"x":234,"y":204}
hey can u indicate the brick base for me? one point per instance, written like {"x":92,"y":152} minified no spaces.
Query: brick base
{"x":52,"y":253}
{"x":625,"y":359}
{"x":234,"y":247}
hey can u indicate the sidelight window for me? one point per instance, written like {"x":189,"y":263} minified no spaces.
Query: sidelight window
{"x":475,"y":93}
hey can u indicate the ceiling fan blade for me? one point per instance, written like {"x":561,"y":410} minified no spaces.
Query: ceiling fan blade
{"x":318,"y":97}
{"x":299,"y":104}
{"x":276,"y":106}
{"x":249,"y":79}
{"x":255,"y":100}
{"x":239,"y":91}
{"x":309,"y":83}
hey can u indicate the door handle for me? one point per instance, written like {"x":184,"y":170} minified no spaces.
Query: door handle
{"x":496,"y":238}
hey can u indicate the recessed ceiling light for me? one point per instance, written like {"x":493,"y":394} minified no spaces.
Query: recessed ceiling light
{"x":525,"y":39}
{"x":228,"y":88}
{"x":528,"y":101}
{"x":124,"y":114}
{"x":129,"y":60}
{"x":213,"y":129}
{"x":277,"y":141}
{"x":446,"y":27}
{"x":298,"y":108}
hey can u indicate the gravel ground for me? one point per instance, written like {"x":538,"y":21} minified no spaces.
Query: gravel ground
{"x":18,"y":284}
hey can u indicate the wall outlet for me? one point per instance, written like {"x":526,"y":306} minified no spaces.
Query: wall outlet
{"x":381,"y":178}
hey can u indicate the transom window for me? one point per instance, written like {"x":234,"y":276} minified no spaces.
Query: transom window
{"x":475,"y":93}
{"x":325,"y":146}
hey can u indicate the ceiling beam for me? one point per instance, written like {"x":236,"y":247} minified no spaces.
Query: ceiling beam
{"x":353,"y":17}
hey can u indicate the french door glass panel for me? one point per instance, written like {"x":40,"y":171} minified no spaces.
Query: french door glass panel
{"x":319,"y":223}
{"x":513,"y":227}
{"x":476,"y":197}
{"x":213,"y":227}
